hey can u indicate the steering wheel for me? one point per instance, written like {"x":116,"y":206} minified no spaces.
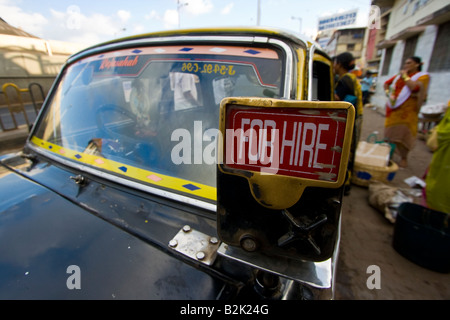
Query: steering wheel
{"x":110,"y":116}
{"x":120,"y":125}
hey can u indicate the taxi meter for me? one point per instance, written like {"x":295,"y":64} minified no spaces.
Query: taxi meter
{"x":281,"y":171}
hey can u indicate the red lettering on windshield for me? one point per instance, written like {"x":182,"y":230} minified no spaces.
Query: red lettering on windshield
{"x":112,"y":63}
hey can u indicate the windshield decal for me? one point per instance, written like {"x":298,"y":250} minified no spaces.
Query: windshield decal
{"x":111,"y":63}
{"x":132,"y":62}
{"x":221,"y":67}
{"x":209,"y":68}
{"x":133,"y":67}
{"x":264,"y":53}
{"x":156,"y":179}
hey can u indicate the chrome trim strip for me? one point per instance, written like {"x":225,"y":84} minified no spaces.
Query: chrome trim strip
{"x":335,"y":256}
{"x":318,"y":275}
{"x":310,"y":71}
{"x":126,"y":182}
{"x":314,"y":274}
{"x":288,"y":68}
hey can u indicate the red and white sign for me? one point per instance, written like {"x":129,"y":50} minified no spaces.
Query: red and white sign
{"x":304,"y":143}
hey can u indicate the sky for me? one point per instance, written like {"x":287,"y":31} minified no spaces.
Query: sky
{"x":94,"y":21}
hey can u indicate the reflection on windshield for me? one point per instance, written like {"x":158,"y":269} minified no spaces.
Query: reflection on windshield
{"x":155,"y":108}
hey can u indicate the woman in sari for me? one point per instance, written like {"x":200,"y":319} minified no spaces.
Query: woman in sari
{"x":406,"y":92}
{"x":436,"y":190}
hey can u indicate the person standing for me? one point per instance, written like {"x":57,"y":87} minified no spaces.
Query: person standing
{"x":406,"y":92}
{"x":348,"y":89}
{"x":366,"y":84}
{"x":436,"y":190}
{"x":185,"y":90}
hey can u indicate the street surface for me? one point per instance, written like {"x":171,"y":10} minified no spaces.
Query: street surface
{"x":367,"y":235}
{"x":7,"y":121}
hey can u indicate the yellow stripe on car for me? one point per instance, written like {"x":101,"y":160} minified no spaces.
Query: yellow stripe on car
{"x":157,"y":179}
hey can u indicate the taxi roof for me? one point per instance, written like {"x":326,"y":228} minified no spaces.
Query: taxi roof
{"x":285,"y":35}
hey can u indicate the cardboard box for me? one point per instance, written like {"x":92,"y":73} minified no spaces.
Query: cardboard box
{"x":373,"y":154}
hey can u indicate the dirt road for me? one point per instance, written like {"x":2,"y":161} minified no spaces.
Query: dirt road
{"x":367,"y":240}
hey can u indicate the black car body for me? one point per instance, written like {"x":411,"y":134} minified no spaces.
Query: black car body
{"x":118,"y":192}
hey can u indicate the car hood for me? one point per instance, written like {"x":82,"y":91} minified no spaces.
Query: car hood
{"x":43,"y":234}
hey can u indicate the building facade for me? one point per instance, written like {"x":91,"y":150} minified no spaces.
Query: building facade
{"x":349,"y":39}
{"x":26,"y":59}
{"x":414,"y":28}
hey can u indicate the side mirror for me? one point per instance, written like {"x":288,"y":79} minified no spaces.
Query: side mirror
{"x":282,"y":166}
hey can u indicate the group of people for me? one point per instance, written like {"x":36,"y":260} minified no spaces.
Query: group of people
{"x":406,"y":93}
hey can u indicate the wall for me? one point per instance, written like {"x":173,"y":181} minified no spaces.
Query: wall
{"x":438,"y":91}
{"x":415,"y":10}
{"x":25,"y":60}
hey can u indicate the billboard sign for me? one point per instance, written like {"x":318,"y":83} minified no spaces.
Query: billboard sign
{"x":338,"y":20}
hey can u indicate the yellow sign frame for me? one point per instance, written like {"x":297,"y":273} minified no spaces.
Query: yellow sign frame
{"x":281,"y":191}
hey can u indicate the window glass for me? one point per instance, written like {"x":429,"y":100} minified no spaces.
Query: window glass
{"x":321,"y":81}
{"x":410,"y":48}
{"x":387,"y":60}
{"x":152,"y":114}
{"x":440,"y":60}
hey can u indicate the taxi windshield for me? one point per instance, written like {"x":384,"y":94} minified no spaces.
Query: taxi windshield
{"x":151,"y":114}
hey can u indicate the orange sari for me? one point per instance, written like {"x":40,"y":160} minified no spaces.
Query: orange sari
{"x":401,"y":120}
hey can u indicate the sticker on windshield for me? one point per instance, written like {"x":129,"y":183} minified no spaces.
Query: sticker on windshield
{"x":299,"y":143}
{"x":195,"y":59}
{"x":264,"y":53}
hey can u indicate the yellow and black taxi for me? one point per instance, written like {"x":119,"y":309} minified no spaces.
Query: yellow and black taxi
{"x":193,"y":164}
